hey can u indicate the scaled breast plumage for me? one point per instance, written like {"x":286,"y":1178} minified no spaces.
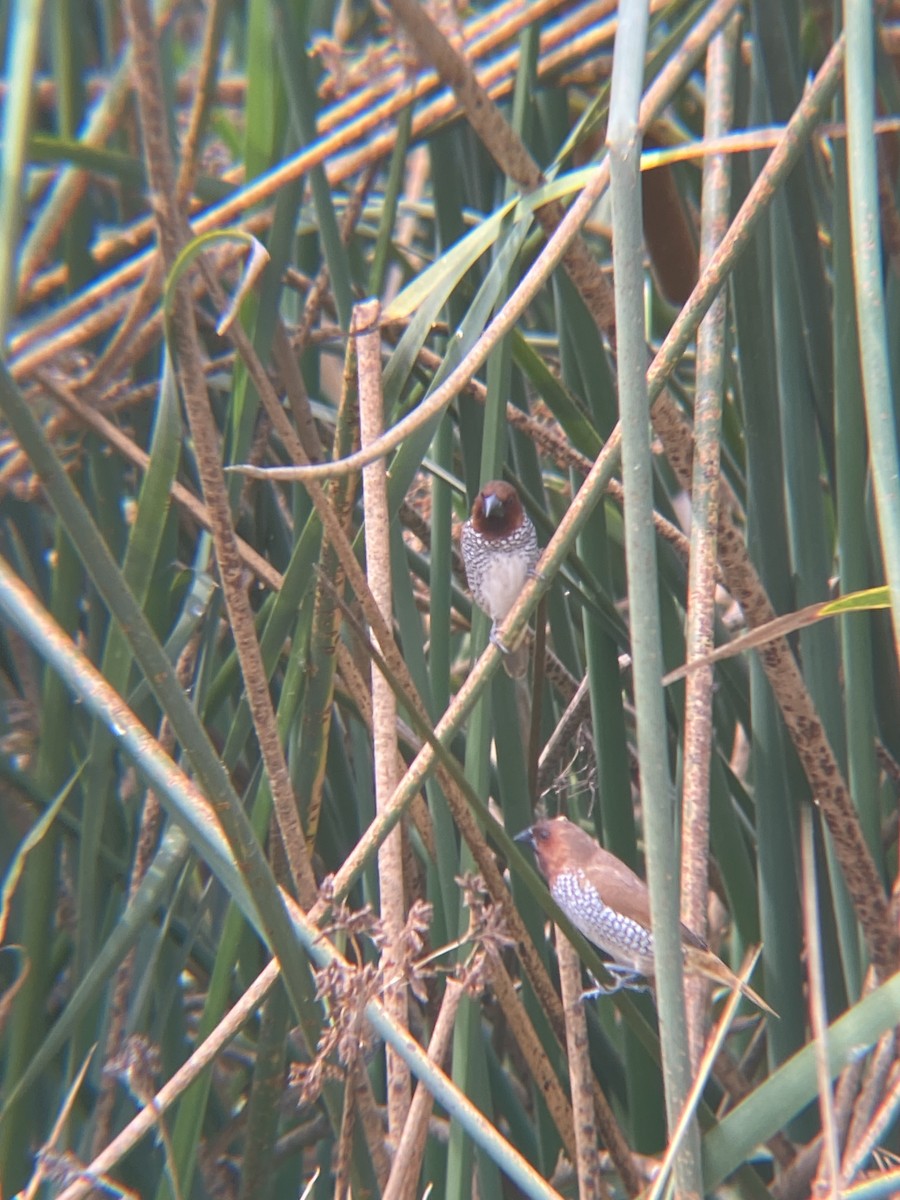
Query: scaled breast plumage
{"x":499,"y":548}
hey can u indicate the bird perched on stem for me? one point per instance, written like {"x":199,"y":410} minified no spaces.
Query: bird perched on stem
{"x":499,"y":548}
{"x":610,"y":905}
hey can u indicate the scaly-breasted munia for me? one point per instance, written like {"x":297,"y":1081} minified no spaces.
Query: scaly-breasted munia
{"x":610,"y":905}
{"x":499,"y":549}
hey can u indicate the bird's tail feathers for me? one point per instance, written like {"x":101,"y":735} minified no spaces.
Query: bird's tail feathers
{"x":706,"y":963}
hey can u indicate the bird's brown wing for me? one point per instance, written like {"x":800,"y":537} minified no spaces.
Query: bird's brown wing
{"x":626,"y":892}
{"x":619,"y":887}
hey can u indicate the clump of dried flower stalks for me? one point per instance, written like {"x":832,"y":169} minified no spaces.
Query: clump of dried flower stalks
{"x":346,"y":988}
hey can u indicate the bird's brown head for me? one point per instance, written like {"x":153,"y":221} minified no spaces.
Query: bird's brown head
{"x":557,"y":844}
{"x":497,"y":511}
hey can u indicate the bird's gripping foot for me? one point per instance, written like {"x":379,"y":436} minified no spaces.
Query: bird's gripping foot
{"x":497,"y":641}
{"x":626,"y":979}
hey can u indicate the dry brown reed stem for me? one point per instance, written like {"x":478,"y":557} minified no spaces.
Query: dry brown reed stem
{"x":364,"y":326}
{"x":288,"y":364}
{"x":204,"y":93}
{"x":591,"y":1184}
{"x":19,"y":464}
{"x":407,"y":1161}
{"x":186,"y":349}
{"x":829,"y":789}
{"x":371,"y":1119}
{"x":847,"y":1094}
{"x":134,"y":323}
{"x":332,"y":526}
{"x":531,"y":1049}
{"x":318,"y":290}
{"x":359,"y":1105}
{"x":334,"y":532}
{"x":288,"y":349}
{"x":701,"y":596}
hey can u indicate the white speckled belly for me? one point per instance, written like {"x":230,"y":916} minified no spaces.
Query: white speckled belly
{"x":501,"y":584}
{"x":624,"y":940}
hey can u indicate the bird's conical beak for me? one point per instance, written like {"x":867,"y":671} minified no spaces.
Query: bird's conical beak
{"x":493,"y":505}
{"x":525,"y":836}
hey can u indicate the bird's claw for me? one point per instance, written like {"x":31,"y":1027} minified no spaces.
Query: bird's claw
{"x":626,"y":978}
{"x":496,"y":640}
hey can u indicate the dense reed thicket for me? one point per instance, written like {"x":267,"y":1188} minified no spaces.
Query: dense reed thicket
{"x":265,"y":929}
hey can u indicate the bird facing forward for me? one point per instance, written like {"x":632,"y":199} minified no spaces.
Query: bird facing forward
{"x":499,"y":548}
{"x":610,"y":905}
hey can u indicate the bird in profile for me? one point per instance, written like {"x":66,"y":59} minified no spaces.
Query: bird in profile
{"x":610,"y":905}
{"x":499,"y":549}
